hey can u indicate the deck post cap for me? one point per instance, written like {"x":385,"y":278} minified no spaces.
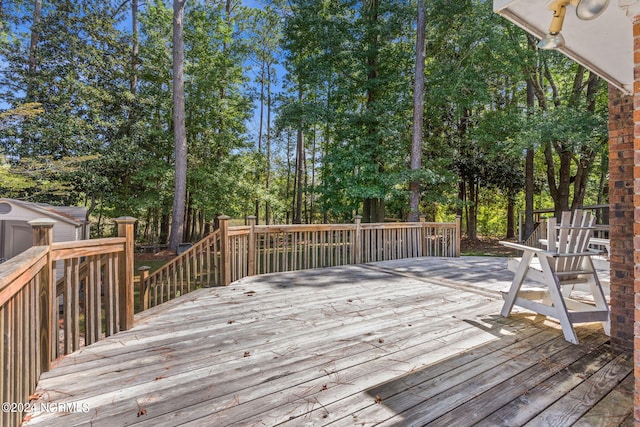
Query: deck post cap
{"x":125,"y":220}
{"x":42,"y":222}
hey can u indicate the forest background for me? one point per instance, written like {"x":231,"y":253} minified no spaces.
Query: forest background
{"x":294,"y":111}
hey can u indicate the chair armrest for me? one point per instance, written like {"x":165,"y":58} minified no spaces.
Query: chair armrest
{"x":520,"y":247}
{"x":544,"y":252}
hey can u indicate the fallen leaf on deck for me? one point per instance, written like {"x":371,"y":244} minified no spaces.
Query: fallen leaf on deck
{"x":247,"y":354}
{"x":378,"y":398}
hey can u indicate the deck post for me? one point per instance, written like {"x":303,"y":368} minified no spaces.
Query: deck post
{"x":357,"y":245}
{"x":252,"y":246}
{"x":225,"y":250}
{"x":125,"y":272}
{"x":43,"y":236}
{"x":144,"y":287}
{"x":458,"y":237}
{"x":423,"y":235}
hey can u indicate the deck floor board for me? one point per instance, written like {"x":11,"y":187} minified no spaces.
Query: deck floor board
{"x":407,"y":342}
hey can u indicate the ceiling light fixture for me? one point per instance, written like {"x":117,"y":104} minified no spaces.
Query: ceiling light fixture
{"x":585,"y":10}
{"x":590,"y":9}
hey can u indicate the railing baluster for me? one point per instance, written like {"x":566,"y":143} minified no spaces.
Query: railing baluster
{"x":182,"y":274}
{"x":161,"y":286}
{"x":109,"y":291}
{"x":34,"y":371}
{"x":3,"y":362}
{"x":10,"y":366}
{"x":19,"y":365}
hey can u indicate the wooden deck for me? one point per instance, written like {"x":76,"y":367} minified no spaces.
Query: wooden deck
{"x":409,"y":342}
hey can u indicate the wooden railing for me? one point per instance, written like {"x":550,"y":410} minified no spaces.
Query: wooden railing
{"x":196,"y":267}
{"x":39,"y":320}
{"x":539,"y":232}
{"x":232,"y":253}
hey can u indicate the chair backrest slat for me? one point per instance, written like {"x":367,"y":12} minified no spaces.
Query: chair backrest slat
{"x":571,"y":236}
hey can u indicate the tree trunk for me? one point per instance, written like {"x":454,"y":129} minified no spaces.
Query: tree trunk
{"x":313,"y":176}
{"x":186,"y":236}
{"x":135,"y":46}
{"x":418,"y":114}
{"x":472,"y":221}
{"x":179,"y":130}
{"x":529,"y":170}
{"x":288,"y":214}
{"x":267,"y":206}
{"x":559,"y":188}
{"x":373,"y":210}
{"x":297,"y":219}
{"x":511,"y":213}
{"x":305,"y":194}
{"x":373,"y":207}
{"x":260,"y":125}
{"x":164,"y":227}
{"x":194,"y":226}
{"x":299,"y":184}
{"x":462,"y":193}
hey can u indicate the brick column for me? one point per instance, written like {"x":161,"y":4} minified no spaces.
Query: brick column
{"x":621,"y":217}
{"x":636,"y":203}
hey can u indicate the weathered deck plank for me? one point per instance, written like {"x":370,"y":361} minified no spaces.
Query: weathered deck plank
{"x":613,"y":409}
{"x":400,"y":342}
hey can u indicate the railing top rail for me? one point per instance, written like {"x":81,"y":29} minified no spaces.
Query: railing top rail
{"x":302,"y":227}
{"x":206,"y":240}
{"x":63,"y":250}
{"x":239,"y":231}
{"x":390,"y":225}
{"x":17,"y":271}
{"x":89,"y":243}
{"x":440,"y":224}
{"x":328,"y":227}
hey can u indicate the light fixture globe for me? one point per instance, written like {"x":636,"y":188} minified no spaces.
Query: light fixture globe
{"x":590,"y":9}
{"x":551,"y":41}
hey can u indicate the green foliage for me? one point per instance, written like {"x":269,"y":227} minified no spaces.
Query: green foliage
{"x":75,"y":129}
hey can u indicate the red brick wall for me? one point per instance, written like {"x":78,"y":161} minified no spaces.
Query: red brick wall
{"x":621,"y":219}
{"x":636,"y":203}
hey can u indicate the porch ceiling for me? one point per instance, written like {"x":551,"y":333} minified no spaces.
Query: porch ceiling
{"x":603,"y":45}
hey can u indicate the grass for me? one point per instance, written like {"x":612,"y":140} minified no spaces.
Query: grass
{"x":485,"y":246}
{"x":153,"y":264}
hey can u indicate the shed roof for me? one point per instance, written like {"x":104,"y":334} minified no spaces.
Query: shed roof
{"x":74,"y":215}
{"x":604,"y":45}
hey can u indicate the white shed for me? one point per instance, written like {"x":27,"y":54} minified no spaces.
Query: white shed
{"x":16,"y":234}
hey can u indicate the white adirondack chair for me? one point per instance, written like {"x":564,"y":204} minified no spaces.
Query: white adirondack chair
{"x":565,"y":262}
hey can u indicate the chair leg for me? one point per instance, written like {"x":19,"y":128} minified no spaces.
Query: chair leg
{"x":598,"y":296}
{"x":558,"y":303}
{"x":511,"y":296}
